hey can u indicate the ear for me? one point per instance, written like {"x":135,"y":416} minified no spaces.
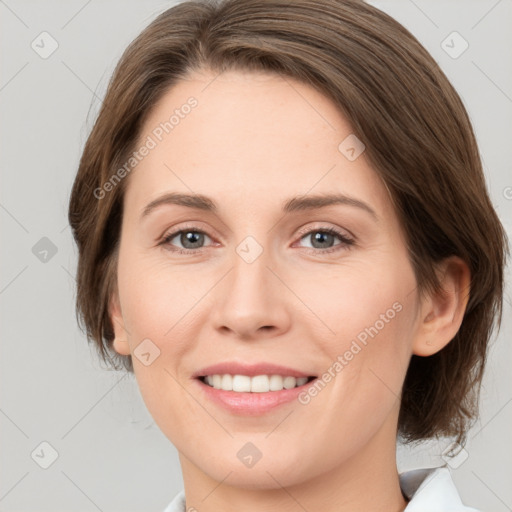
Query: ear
{"x":442,"y":313}
{"x":120,"y":343}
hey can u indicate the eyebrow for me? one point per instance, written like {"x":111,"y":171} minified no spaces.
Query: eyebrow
{"x":294,"y":204}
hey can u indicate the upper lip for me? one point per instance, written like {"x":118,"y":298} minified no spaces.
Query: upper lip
{"x":251,"y":370}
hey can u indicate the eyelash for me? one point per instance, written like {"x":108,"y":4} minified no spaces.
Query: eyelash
{"x":345,"y":241}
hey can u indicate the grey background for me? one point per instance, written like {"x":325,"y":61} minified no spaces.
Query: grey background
{"x":111,"y":455}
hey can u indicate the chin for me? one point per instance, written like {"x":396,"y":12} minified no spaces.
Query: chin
{"x":274,"y":472}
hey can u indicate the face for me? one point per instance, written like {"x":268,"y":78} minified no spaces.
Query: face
{"x":325,"y":291}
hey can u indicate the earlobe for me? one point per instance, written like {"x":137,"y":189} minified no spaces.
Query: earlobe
{"x":442,"y":313}
{"x":120,"y":343}
{"x":121,"y":346}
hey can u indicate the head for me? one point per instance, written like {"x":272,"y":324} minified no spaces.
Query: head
{"x":266,"y":120}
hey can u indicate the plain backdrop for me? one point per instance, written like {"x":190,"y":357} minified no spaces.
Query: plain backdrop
{"x":59,"y":407}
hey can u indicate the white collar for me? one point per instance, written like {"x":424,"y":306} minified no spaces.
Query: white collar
{"x":431,"y":490}
{"x":428,"y":489}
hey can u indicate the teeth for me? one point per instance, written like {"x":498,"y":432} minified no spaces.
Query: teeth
{"x":257,"y":384}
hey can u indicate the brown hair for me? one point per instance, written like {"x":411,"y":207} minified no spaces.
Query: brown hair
{"x":418,"y":138}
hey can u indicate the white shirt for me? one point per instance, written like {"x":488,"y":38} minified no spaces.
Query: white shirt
{"x":429,"y":490}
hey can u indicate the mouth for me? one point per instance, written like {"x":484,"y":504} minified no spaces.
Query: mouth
{"x":251,"y":389}
{"x":257,"y":395}
{"x":254,"y":384}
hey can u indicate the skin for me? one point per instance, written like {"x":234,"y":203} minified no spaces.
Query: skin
{"x":254,"y":141}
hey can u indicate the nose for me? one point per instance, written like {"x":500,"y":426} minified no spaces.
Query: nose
{"x":250,"y":303}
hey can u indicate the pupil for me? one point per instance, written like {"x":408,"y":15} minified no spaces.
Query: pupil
{"x":192,"y":237}
{"x":319,"y":236}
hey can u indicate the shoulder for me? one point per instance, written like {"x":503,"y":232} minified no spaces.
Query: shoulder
{"x":431,"y":490}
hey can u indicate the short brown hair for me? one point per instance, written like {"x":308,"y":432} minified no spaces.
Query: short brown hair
{"x":418,"y":139}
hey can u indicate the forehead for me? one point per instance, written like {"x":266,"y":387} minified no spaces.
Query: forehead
{"x":249,"y":138}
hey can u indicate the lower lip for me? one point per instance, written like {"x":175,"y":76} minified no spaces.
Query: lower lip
{"x":251,"y":404}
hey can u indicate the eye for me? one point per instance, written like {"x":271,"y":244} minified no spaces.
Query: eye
{"x":190,"y":238}
{"x":323,"y":237}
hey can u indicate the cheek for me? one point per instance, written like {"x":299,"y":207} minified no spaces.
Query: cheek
{"x":370,"y":315}
{"x":363,"y":303}
{"x":159,"y":306}
{"x":366,"y":373}
{"x":157,"y":298}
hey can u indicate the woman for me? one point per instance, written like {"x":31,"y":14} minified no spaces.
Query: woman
{"x":237,"y":138}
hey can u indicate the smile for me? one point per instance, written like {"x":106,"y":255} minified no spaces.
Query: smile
{"x":256,"y":384}
{"x":251,"y":396}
